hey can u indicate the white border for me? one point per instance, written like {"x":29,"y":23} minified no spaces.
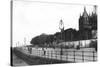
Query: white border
{"x":5,"y":34}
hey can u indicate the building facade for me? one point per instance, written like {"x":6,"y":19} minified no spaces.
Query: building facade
{"x":88,"y":24}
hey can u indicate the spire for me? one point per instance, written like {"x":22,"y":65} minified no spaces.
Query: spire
{"x":95,"y":9}
{"x":84,"y":9}
{"x":85,"y":13}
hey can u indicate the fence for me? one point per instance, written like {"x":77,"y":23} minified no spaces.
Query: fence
{"x":73,"y":55}
{"x":82,"y":43}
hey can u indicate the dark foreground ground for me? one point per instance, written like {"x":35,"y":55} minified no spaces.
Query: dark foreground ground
{"x":31,"y":60}
{"x":18,"y":62}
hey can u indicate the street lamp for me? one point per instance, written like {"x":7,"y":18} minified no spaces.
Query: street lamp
{"x":61,"y":27}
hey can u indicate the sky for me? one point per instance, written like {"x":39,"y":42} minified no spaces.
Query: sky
{"x":31,"y":19}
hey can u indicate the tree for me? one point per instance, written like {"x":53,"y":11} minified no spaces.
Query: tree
{"x":39,"y":40}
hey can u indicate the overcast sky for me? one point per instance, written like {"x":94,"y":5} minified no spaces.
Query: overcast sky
{"x":34,"y":18}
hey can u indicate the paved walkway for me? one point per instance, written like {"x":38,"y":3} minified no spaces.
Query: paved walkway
{"x":34,"y":60}
{"x":18,"y":62}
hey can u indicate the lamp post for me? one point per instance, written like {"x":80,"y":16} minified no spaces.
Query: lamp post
{"x":61,"y":27}
{"x":24,"y":41}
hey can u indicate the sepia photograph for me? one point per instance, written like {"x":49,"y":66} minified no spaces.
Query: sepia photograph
{"x":53,"y":33}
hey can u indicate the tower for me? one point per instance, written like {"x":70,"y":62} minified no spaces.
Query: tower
{"x":84,"y":25}
{"x":85,"y":14}
{"x":94,"y":22}
{"x":95,"y":9}
{"x":84,"y":20}
{"x":61,"y":25}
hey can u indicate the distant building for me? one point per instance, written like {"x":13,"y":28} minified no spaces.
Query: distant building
{"x":88,"y":24}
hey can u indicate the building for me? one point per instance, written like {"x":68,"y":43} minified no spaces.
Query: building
{"x":88,"y":24}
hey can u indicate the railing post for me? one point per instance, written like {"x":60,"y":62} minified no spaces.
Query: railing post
{"x":61,"y":53}
{"x":74,"y":56}
{"x":48,"y":54}
{"x":39,"y":53}
{"x":83,"y":56}
{"x":56,"y":54}
{"x":93,"y":56}
{"x":51,"y":54}
{"x":67,"y":56}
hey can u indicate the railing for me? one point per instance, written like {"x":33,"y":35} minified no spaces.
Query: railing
{"x":73,"y":55}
